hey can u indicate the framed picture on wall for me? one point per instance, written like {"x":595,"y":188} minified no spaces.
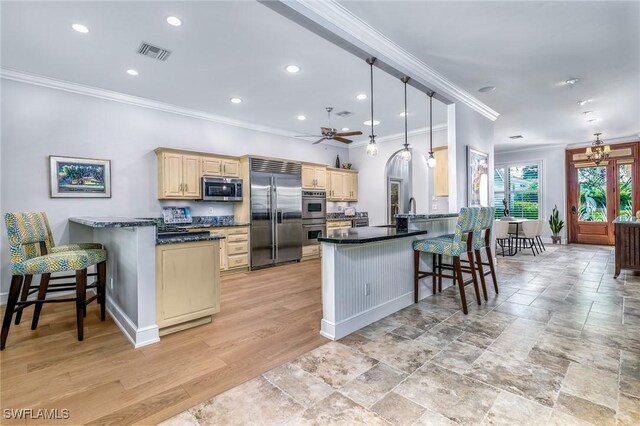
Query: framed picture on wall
{"x":79,"y":177}
{"x":477,"y":177}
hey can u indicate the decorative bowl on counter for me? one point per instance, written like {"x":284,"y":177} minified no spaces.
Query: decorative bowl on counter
{"x":346,"y":166}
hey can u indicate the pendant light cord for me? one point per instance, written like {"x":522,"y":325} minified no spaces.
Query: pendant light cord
{"x":431,"y":123}
{"x":371,"y":64}
{"x":406,"y":142}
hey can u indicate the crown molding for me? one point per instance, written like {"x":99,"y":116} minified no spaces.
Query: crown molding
{"x":396,"y":136}
{"x":342,"y":23}
{"x":612,"y":141}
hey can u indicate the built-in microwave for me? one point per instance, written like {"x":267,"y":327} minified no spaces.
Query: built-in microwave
{"x":221,"y":189}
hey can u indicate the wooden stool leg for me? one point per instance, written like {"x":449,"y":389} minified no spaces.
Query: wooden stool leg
{"x":12,"y":298}
{"x":440,"y":273}
{"x":457,"y":271}
{"x":433,"y":271}
{"x":474,"y":276}
{"x":478,"y":257}
{"x":492,"y":268}
{"x":102,"y":289}
{"x":42,"y":294}
{"x":416,"y":272}
{"x":26,"y":286}
{"x":81,"y":296}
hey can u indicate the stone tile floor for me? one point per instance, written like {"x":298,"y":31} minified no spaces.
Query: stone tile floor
{"x":560,"y":345}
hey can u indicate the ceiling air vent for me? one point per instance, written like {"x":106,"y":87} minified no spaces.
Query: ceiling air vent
{"x":153,"y":52}
{"x":344,"y":114}
{"x":516,"y":137}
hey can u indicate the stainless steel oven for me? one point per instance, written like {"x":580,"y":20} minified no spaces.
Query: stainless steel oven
{"x":221,"y":189}
{"x":314,"y":205}
{"x":312,"y":229}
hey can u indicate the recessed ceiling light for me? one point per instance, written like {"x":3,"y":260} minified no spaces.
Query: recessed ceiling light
{"x":368,"y":122}
{"x":592,"y":120}
{"x":292,"y":69}
{"x":132,"y":72}
{"x":588,"y":112}
{"x":235,"y":100}
{"x":361,"y":97}
{"x":583,"y":102}
{"x":80,"y":28}
{"x":301,"y":117}
{"x":572,"y":80}
{"x":345,"y":129}
{"x":175,"y":21}
{"x":487,"y":89}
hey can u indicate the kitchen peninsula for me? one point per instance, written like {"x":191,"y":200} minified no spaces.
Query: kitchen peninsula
{"x":140,"y":267}
{"x":367,"y":273}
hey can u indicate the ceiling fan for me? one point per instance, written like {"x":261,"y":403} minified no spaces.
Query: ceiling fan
{"x":329,"y":133}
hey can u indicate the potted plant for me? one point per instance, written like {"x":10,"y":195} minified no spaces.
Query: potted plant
{"x":556,"y":225}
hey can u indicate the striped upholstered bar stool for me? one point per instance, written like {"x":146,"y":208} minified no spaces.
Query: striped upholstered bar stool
{"x":482,"y":240}
{"x":29,"y":241}
{"x":450,"y":245}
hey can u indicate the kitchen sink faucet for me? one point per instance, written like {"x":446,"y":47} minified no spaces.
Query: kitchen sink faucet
{"x":412,"y":200}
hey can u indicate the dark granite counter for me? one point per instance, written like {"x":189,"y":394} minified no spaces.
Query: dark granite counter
{"x":425,"y":216}
{"x":366,"y":235}
{"x":627,"y":220}
{"x":111,"y":222}
{"x":179,"y":239}
{"x":193,"y":225}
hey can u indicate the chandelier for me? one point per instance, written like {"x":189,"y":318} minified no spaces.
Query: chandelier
{"x":598,"y":151}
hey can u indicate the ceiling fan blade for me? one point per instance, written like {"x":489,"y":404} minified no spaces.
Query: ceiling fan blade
{"x":337,"y":138}
{"x":349,"y":133}
{"x":309,"y":136}
{"x":318,"y":141}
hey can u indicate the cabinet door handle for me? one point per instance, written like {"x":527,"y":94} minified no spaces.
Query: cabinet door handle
{"x":220,"y":168}
{"x":186,"y":187}
{"x":224,"y":169}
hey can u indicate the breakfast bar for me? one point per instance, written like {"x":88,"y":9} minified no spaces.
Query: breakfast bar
{"x":367,"y":273}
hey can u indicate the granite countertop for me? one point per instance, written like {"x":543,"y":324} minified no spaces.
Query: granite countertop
{"x":627,"y":220}
{"x":188,"y":238}
{"x":205,"y":225}
{"x":340,"y":219}
{"x":111,"y":222}
{"x":366,"y":235}
{"x":425,"y":216}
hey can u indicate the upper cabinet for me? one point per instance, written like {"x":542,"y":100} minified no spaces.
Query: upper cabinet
{"x":441,"y":173}
{"x":178,"y":175}
{"x":342,"y":185}
{"x":314,"y":176}
{"x":180,"y":172}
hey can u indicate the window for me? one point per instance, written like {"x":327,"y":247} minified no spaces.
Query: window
{"x":518,"y":186}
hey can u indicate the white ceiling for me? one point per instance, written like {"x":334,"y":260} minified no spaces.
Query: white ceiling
{"x":223,"y":49}
{"x":527,"y":49}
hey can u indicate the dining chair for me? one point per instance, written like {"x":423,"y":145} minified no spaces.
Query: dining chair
{"x":528,"y":235}
{"x":502,"y":235}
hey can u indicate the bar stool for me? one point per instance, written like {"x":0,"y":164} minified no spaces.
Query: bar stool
{"x":28,"y":289}
{"x":480,"y":242}
{"x":450,"y":245}
{"x":28,"y":239}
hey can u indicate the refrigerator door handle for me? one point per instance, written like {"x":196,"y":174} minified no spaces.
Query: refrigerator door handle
{"x":279,"y":216}
{"x":275,"y":217}
{"x":271,"y":219}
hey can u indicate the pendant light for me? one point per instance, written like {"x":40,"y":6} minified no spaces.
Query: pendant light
{"x":431,"y":161}
{"x":372,"y":148}
{"x":598,"y":151}
{"x":405,"y":153}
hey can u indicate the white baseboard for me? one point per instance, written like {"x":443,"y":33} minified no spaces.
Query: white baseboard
{"x":137,"y":336}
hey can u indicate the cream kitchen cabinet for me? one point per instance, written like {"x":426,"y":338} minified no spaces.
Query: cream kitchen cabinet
{"x":234,"y":248}
{"x":187,"y":284}
{"x":338,"y":224}
{"x":314,"y":177}
{"x":342,"y":184}
{"x":441,"y":173}
{"x":178,"y":175}
{"x":220,"y":166}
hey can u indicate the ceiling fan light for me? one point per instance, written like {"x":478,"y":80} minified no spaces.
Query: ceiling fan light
{"x":431,"y":161}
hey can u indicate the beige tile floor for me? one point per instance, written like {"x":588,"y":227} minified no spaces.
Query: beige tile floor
{"x":560,"y":345}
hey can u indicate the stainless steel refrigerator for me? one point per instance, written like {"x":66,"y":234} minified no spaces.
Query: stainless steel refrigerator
{"x":276,"y":211}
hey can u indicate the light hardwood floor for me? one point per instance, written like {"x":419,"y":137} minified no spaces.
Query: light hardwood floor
{"x":267,"y":318}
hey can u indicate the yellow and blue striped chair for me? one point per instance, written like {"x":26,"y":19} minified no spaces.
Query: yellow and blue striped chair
{"x":480,"y":241}
{"x":452,"y":245}
{"x":29,"y":244}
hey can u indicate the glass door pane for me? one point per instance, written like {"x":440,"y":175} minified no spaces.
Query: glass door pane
{"x":592,"y":190}
{"x":625,"y":198}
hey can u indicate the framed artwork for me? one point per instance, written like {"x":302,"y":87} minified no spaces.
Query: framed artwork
{"x":477,"y":177}
{"x":79,"y":177}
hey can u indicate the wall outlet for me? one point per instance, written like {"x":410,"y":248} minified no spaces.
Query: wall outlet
{"x":434,"y":206}
{"x":111,"y":283}
{"x":211,"y":210}
{"x":339,"y":208}
{"x":367,"y":289}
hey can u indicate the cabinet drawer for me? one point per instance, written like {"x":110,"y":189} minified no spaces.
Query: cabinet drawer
{"x":238,"y":230}
{"x":237,"y":248}
{"x":237,"y":238}
{"x":238,"y":260}
{"x":310,"y":250}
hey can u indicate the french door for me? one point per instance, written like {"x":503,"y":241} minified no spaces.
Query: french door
{"x":598,"y":193}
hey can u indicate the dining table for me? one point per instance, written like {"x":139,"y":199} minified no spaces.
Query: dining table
{"x":513,"y":251}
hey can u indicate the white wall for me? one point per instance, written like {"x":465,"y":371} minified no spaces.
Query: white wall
{"x":372,"y":191}
{"x":553,"y":177}
{"x":38,"y":122}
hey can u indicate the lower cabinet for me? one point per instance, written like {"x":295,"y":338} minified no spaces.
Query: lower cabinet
{"x":311,"y":252}
{"x":187,"y":284}
{"x":234,"y":249}
{"x":338,"y":224}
